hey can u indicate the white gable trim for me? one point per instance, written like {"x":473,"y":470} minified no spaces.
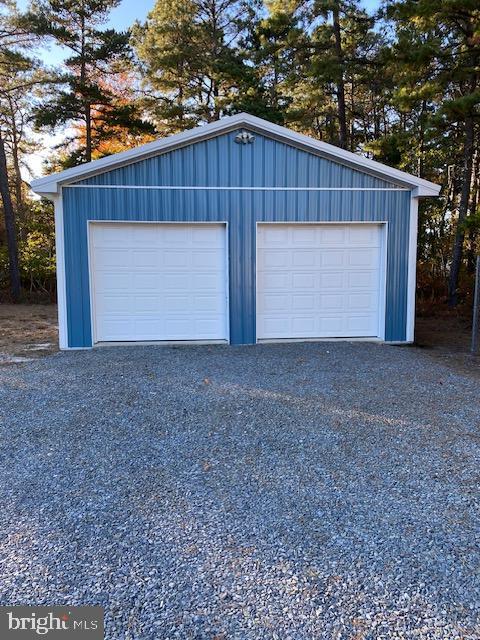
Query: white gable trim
{"x":49,"y":185}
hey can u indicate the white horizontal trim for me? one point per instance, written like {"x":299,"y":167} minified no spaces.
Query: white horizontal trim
{"x":202,"y":188}
{"x":49,"y":184}
{"x":287,"y":340}
{"x":319,"y":222}
{"x":212,"y":223}
{"x":156,"y":343}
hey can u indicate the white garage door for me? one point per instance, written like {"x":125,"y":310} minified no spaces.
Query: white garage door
{"x":319,"y":281}
{"x":158,"y":281}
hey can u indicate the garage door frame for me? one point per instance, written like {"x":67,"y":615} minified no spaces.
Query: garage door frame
{"x":383,"y":224}
{"x":93,"y":223}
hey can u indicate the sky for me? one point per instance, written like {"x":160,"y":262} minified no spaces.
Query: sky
{"x":121,"y":18}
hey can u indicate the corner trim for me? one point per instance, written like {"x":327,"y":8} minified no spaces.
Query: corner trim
{"x":412,"y":269}
{"x":61,"y":280}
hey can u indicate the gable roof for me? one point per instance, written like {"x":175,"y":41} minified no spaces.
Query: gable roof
{"x":49,"y":185}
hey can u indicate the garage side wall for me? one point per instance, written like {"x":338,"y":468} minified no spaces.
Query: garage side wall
{"x":241,"y":210}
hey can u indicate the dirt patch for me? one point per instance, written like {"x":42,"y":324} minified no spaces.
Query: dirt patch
{"x":446,"y":334}
{"x":27,"y":331}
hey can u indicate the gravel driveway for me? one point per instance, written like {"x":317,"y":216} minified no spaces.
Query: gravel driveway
{"x":280,"y":491}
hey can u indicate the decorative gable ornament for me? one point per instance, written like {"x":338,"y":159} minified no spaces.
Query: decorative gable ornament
{"x":244,"y":137}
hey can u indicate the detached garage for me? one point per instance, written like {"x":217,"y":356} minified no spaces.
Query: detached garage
{"x":236,"y":232}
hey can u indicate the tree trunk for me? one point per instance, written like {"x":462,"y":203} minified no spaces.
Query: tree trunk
{"x":88,"y":133}
{"x":11,"y":232}
{"x":20,"y":205}
{"x":474,"y":207}
{"x":342,"y":116}
{"x":457,"y":252}
{"x":87,"y":109}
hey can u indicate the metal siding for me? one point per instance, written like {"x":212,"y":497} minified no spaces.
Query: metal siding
{"x":221,"y":162}
{"x":241,"y":209}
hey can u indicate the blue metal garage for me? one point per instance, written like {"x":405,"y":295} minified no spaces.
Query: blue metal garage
{"x":238,"y":231}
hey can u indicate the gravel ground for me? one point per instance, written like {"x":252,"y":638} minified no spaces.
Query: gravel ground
{"x":282,"y":491}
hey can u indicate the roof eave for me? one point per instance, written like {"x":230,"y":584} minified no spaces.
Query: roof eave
{"x":48,"y":186}
{"x":426,"y":191}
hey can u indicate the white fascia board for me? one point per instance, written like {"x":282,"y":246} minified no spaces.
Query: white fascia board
{"x":421,"y":186}
{"x":49,"y":184}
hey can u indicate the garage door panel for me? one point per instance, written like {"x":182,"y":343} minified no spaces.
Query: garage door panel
{"x":332,"y":236}
{"x":147,"y":305}
{"x":362,"y":279}
{"x":113,"y":281}
{"x":144,"y":282}
{"x":331,"y":326}
{"x":332,"y":258}
{"x":272,"y":281}
{"x":359,"y":324}
{"x":331,"y":303}
{"x":275,"y":258}
{"x":318,"y":280}
{"x":117,"y":328}
{"x":176,"y":258}
{"x":207,"y":281}
{"x":204,"y":259}
{"x":273,"y":235}
{"x":112,"y":258}
{"x":274,"y":325}
{"x":206,"y":236}
{"x":175,"y":304}
{"x":330,"y":280}
{"x":366,"y":235}
{"x":276,"y":302}
{"x":303,"y":258}
{"x":172,"y":236}
{"x":206,"y":327}
{"x":303,"y":325}
{"x":362,"y":258}
{"x":159,"y":282}
{"x":303,"y":302}
{"x":303,"y":237}
{"x":174,"y":281}
{"x":112,"y":304}
{"x":144,"y":259}
{"x":303,"y":281}
{"x":208,"y":304}
{"x":107,"y":237}
{"x":362,"y":302}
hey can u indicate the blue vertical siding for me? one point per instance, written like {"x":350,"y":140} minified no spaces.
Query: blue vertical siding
{"x":241,"y":209}
{"x":220,"y":162}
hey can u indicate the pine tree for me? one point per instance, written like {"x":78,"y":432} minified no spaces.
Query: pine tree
{"x":188,"y":52}
{"x":276,"y":45}
{"x":438,"y":64}
{"x":16,"y":65}
{"x":85,"y":98}
{"x":344,"y":47}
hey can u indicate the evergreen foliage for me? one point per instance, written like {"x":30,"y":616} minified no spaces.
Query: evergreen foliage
{"x":400,"y":85}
